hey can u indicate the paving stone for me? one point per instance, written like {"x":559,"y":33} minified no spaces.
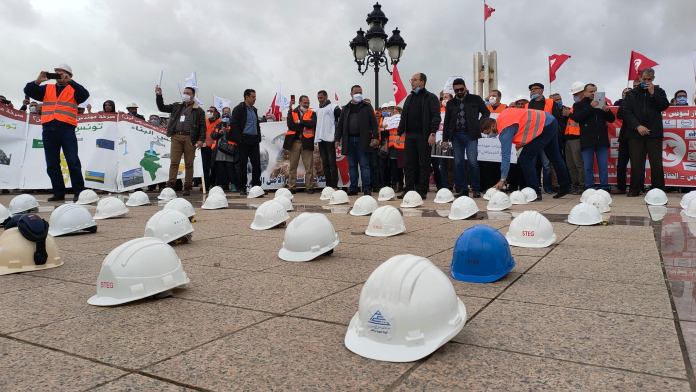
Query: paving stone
{"x":24,"y":281}
{"x":243,"y":259}
{"x":333,"y":268}
{"x":624,"y":270}
{"x":136,"y":382}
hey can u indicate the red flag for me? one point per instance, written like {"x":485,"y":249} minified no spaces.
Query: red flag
{"x":398,"y":86}
{"x":274,"y":109}
{"x":336,"y":97}
{"x":638,"y":63}
{"x":487,"y":11}
{"x":555,"y":62}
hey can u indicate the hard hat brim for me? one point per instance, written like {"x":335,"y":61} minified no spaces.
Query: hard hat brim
{"x":481,"y":278}
{"x":29,"y":268}
{"x":519,"y":244}
{"x":385,"y":198}
{"x":451,"y":217}
{"x":254,"y":226}
{"x":449,"y":200}
{"x":574,"y":222}
{"x":109,"y":216}
{"x":288,"y":255}
{"x":354,"y":213}
{"x":372,"y":233}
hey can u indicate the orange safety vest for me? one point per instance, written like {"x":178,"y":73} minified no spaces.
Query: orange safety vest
{"x":530,"y":124}
{"x":572,"y":128}
{"x":209,"y":128}
{"x":307,"y":133}
{"x":62,"y":108}
{"x":548,"y":105}
{"x":396,"y":141}
{"x":499,"y":109}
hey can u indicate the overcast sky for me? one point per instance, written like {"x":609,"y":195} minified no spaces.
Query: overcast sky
{"x":117,"y":48}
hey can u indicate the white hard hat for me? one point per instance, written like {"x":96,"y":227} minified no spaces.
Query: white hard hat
{"x":269,"y":215}
{"x":168,"y":225}
{"x":443,"y":196}
{"x":87,"y":196}
{"x":339,"y":197}
{"x":684,"y":203}
{"x":392,"y":104}
{"x":412,"y":199}
{"x":22,"y":203}
{"x":365,"y":205}
{"x":605,"y":195}
{"x":167,"y":194}
{"x":521,"y":98}
{"x":17,"y":253}
{"x":385,"y":221}
{"x":385,"y":105}
{"x":4,"y":213}
{"x":517,"y":197}
{"x":307,"y":237}
{"x":132,"y":105}
{"x":138,"y":269}
{"x":576,"y":87}
{"x":499,"y":201}
{"x":656,"y":197}
{"x":110,"y":207}
{"x":215,"y":201}
{"x":599,"y":201}
{"x":64,"y":67}
{"x":181,"y":205}
{"x":586,"y":194}
{"x":408,"y":309}
{"x":216,"y":189}
{"x":489,"y":193}
{"x":386,"y":194}
{"x":463,"y":207}
{"x":690,"y":210}
{"x":285,"y":192}
{"x":530,"y":194}
{"x":285,"y":202}
{"x":326,"y":193}
{"x":255,"y":191}
{"x":137,"y":199}
{"x":657,"y":213}
{"x":584,"y":214}
{"x":70,"y":218}
{"x":530,"y":229}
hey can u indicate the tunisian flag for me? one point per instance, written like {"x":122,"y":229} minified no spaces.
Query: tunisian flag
{"x":555,"y":62}
{"x":487,"y":11}
{"x":398,"y":86}
{"x":638,"y":63}
{"x":274,"y":109}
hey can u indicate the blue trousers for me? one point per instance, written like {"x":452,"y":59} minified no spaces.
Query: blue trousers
{"x":548,"y":143}
{"x":602,"y":154}
{"x":463,"y":142}
{"x":358,"y":157}
{"x":57,"y":136}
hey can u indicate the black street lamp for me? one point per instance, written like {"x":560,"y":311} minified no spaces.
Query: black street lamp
{"x":369,"y":48}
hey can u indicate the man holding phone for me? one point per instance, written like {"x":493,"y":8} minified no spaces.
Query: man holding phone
{"x":59,"y":119}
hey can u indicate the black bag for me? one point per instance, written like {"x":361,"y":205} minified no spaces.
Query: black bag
{"x":227,"y":148}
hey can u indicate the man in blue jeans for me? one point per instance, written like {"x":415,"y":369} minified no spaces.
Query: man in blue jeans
{"x":356,"y":133}
{"x":462,"y":127}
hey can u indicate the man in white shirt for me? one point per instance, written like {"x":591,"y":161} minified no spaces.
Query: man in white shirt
{"x":327,"y":116}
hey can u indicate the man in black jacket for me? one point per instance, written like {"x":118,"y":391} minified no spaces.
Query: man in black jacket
{"x":462,"y":127}
{"x":246,"y":125}
{"x":420,"y":120}
{"x":299,"y":142}
{"x":356,"y":133}
{"x":642,"y":112}
{"x":622,"y":161}
{"x":186,"y":129}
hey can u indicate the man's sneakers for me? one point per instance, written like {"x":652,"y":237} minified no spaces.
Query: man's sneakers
{"x":60,"y":198}
{"x":561,"y":192}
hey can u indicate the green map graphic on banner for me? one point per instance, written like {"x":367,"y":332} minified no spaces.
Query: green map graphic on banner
{"x":149,"y":163}
{"x":37,"y":143}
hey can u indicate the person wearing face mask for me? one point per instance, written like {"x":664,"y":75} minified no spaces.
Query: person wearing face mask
{"x":108,"y":106}
{"x":680,"y":98}
{"x":187,"y":131}
{"x":462,"y":128}
{"x":622,"y":160}
{"x":133,"y":111}
{"x":299,"y":142}
{"x":494,"y":104}
{"x":642,"y":113}
{"x":537,"y":101}
{"x":573,"y":148}
{"x":212,"y":119}
{"x":594,"y":136}
{"x":420,"y":119}
{"x":356,"y":133}
{"x":328,"y":114}
{"x":58,"y":120}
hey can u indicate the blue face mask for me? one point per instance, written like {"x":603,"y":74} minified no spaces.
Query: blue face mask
{"x":643,"y":85}
{"x":385,"y":114}
{"x":682,"y":101}
{"x":534,"y":96}
{"x":417,"y":89}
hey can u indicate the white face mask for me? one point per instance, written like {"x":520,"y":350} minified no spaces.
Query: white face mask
{"x":444,"y":102}
{"x":209,"y":115}
{"x":492,"y":100}
{"x":357,"y":98}
{"x":186,"y":98}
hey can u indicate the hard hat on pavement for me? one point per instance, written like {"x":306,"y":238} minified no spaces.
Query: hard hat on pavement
{"x":215,"y":201}
{"x":584,"y":214}
{"x":169,"y":226}
{"x":656,"y":197}
{"x":70,"y":218}
{"x":481,"y":255}
{"x":684,"y":203}
{"x":489,"y":193}
{"x":586,"y":194}
{"x":605,"y":195}
{"x":182,"y":205}
{"x":365,"y":205}
{"x":385,"y":221}
{"x":87,"y":196}
{"x":110,"y":207}
{"x":255,"y":191}
{"x":339,"y":197}
{"x":577,"y":87}
{"x":285,"y":192}
{"x":690,"y":210}
{"x":443,"y":196}
{"x":28,"y":247}
{"x":269,"y":215}
{"x":137,"y":199}
{"x":386,"y":194}
{"x":463,"y":207}
{"x":531,"y":229}
{"x":408,"y":309}
{"x":23,"y":203}
{"x":285,"y":202}
{"x":517,"y":198}
{"x":138,"y":269}
{"x":167,"y":194}
{"x":216,"y":189}
{"x":326,"y":193}
{"x":499,"y":201}
{"x":599,"y":201}
{"x":530,"y":194}
{"x":4,"y":214}
{"x":307,"y":237}
{"x":412,"y":199}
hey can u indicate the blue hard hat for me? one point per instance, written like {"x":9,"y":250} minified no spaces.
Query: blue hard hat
{"x":481,"y":255}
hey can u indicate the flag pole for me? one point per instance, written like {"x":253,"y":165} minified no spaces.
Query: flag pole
{"x":484,"y":27}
